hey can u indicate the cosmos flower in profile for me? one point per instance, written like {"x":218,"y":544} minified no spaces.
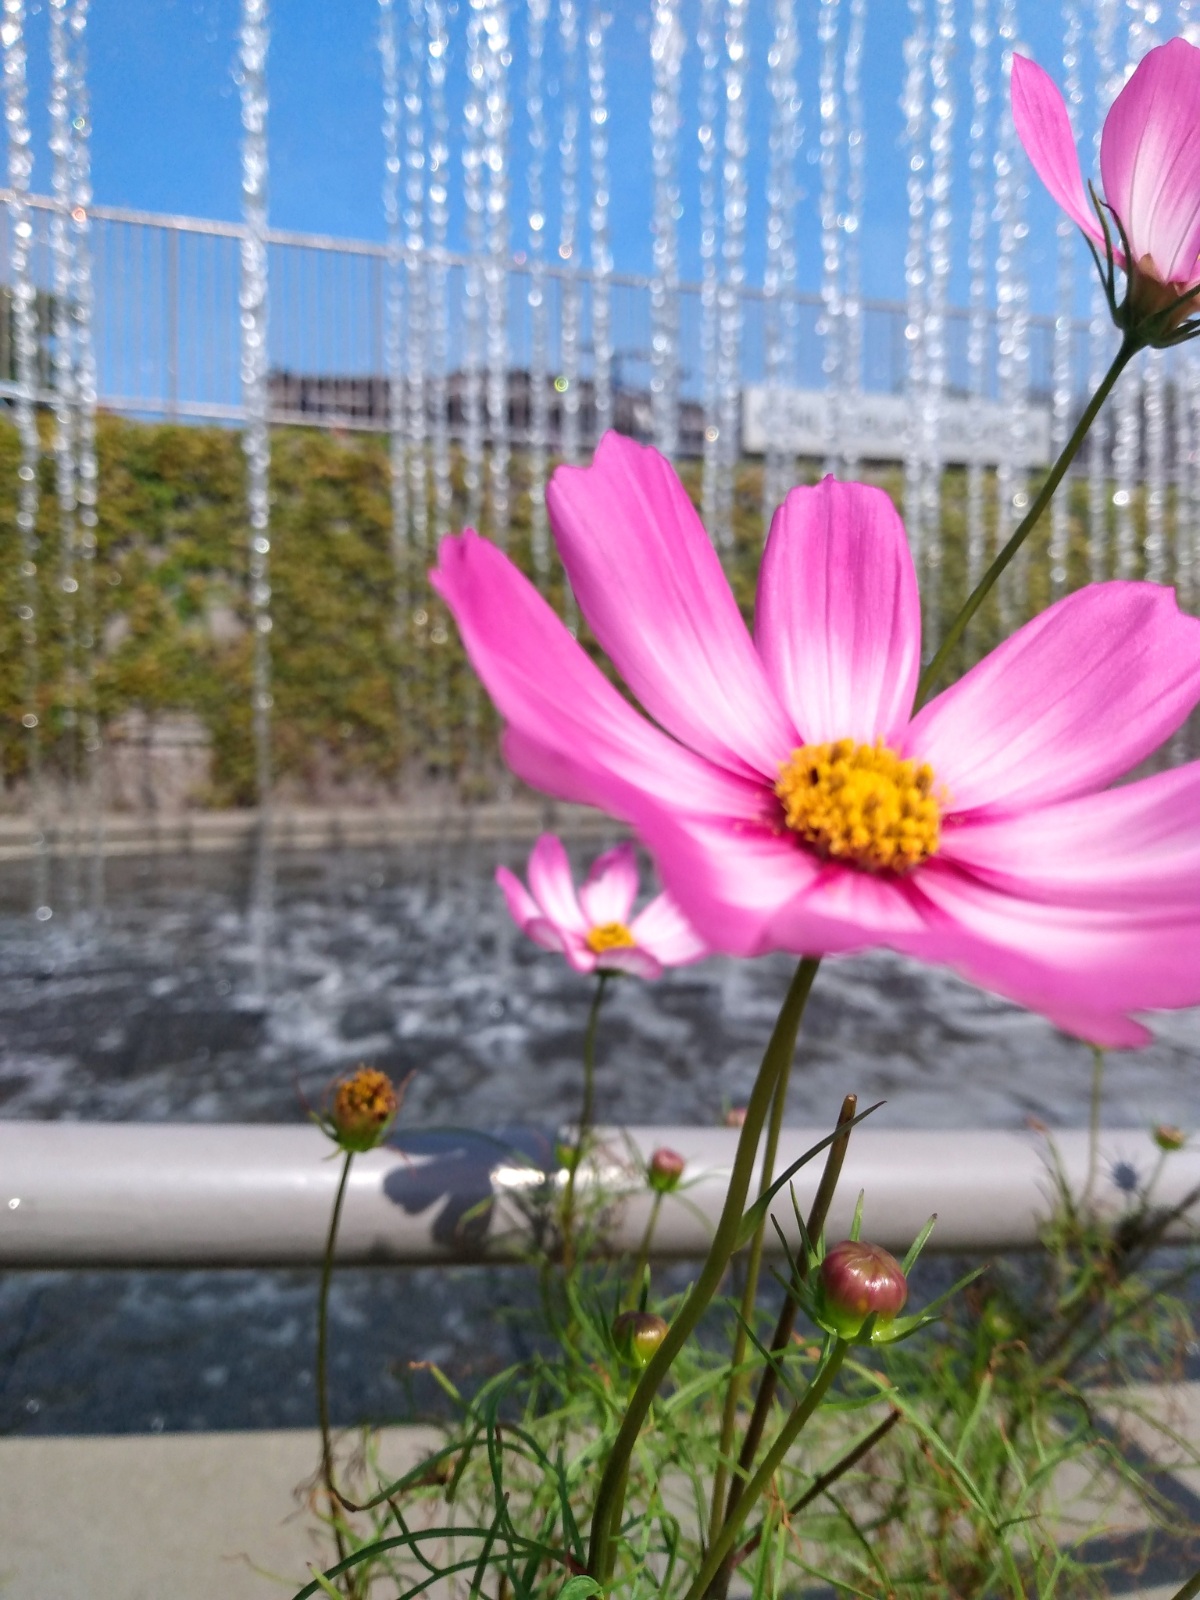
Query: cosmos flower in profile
{"x":596,"y":929}
{"x":791,"y":798}
{"x":1149,"y":170}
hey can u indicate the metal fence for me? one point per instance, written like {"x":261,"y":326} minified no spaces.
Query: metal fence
{"x":166,"y":323}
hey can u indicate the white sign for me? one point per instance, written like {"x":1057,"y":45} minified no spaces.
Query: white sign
{"x":884,"y":427}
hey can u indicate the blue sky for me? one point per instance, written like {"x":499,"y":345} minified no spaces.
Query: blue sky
{"x":165,"y":113}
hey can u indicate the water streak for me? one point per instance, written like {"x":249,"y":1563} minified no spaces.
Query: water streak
{"x":539,"y":376}
{"x":568,"y":233}
{"x":65,"y":429}
{"x":437,"y":49}
{"x":25,"y":348}
{"x":667,"y":44}
{"x":602,"y":262}
{"x":831,"y":139}
{"x":708,"y":44}
{"x":779,"y":276}
{"x":1062,"y":391}
{"x":254,"y":42}
{"x":415,"y":278}
{"x":978,"y":315}
{"x":915,"y":106}
{"x":497,"y":59}
{"x":730,"y":316}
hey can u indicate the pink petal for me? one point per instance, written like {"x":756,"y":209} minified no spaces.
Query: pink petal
{"x":1150,"y":160}
{"x":739,"y":884}
{"x":570,"y":732}
{"x":1072,"y":700}
{"x":637,"y":963}
{"x":1085,"y":969}
{"x":1044,"y":128}
{"x":611,"y":887}
{"x":1135,"y":846}
{"x":552,"y":886}
{"x":652,"y":589}
{"x":521,"y":905}
{"x":838,"y":620}
{"x":663,"y":930}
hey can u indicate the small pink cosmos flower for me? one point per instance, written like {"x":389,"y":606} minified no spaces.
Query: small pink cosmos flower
{"x":594,"y":928}
{"x":789,"y":795}
{"x":1149,"y":161}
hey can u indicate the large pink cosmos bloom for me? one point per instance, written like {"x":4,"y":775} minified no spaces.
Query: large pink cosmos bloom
{"x":595,"y":929}
{"x":1149,"y":159}
{"x":789,"y":795}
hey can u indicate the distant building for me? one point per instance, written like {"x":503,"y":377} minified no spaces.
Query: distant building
{"x":362,"y":401}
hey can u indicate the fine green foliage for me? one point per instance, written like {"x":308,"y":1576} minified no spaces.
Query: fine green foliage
{"x":985,"y":1456}
{"x":371,"y":689}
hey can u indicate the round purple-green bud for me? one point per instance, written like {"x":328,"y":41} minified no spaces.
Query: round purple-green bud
{"x":637,"y":1335}
{"x":856,"y":1281}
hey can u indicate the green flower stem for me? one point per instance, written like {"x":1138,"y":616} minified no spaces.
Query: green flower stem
{"x":1190,"y":1589}
{"x":781,"y":1338}
{"x":643,"y":1259}
{"x":778,"y":1055}
{"x":1094,"y":1124}
{"x":323,"y":1356}
{"x":1130,"y":345}
{"x":733,"y":1391}
{"x":586,"y":1115}
{"x":723,"y":1545}
{"x":826,"y":1480}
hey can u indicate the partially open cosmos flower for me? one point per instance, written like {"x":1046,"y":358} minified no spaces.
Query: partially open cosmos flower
{"x":792,"y":800}
{"x":595,"y":929}
{"x":1149,"y":168}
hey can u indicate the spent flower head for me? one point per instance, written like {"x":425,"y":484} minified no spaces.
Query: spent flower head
{"x":361,"y":1109}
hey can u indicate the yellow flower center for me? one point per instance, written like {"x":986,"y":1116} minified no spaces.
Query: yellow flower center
{"x":861,"y":803}
{"x":609,"y":936}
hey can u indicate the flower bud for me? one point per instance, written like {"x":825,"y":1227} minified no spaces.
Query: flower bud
{"x":1168,"y":1138}
{"x":364,"y":1107}
{"x":665,"y":1170}
{"x":637,"y":1335}
{"x":859,"y":1280}
{"x":567,"y":1155}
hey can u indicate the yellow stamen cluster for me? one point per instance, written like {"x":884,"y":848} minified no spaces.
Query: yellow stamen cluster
{"x":609,"y":936}
{"x":860,"y":803}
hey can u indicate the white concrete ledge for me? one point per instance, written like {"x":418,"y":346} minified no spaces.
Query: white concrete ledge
{"x":145,"y":1194}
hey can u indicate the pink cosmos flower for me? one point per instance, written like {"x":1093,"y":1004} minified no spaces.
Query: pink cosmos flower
{"x":593,"y":928}
{"x":1149,"y":161}
{"x":791,"y":798}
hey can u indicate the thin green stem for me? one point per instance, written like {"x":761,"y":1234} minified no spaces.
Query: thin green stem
{"x":826,"y":1480}
{"x":323,"y":1359}
{"x":1190,"y":1589}
{"x":586,"y":1117}
{"x":1130,"y":345}
{"x":643,"y":1259}
{"x":781,"y":1338}
{"x":733,"y":1391}
{"x":724,"y":1543}
{"x":1094,"y":1124}
{"x":606,"y":1511}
